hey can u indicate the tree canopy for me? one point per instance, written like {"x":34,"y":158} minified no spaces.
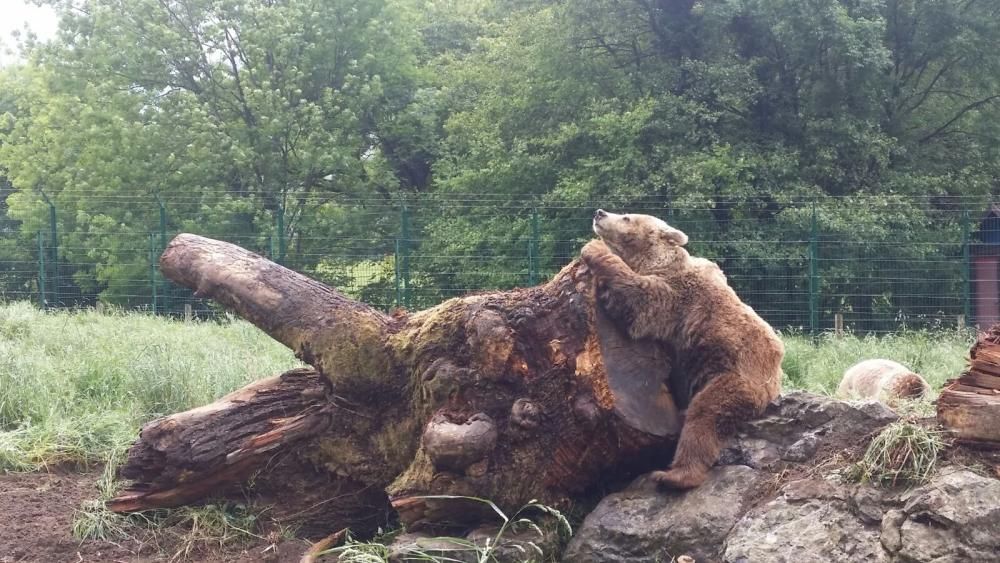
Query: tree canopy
{"x":328,"y":120}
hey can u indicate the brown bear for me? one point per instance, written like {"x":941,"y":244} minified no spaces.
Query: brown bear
{"x":884,"y":380}
{"x":726,"y":359}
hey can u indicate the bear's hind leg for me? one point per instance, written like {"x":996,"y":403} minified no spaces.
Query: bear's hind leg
{"x":710,"y":419}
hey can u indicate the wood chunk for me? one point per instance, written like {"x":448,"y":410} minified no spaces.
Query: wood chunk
{"x":969,"y":406}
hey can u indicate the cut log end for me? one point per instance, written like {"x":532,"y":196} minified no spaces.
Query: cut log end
{"x":969,"y":406}
{"x":637,"y":374}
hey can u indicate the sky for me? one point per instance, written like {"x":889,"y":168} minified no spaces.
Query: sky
{"x":14,"y":14}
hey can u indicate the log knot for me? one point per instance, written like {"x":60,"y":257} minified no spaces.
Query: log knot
{"x":454,"y":446}
{"x":526,"y":414}
{"x":586,"y":411}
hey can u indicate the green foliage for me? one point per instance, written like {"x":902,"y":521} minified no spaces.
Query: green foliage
{"x":233,"y":112}
{"x":732,"y":118}
{"x":76,"y":386}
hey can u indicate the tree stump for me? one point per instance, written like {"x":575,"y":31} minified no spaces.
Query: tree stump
{"x":511,"y":396}
{"x":969,"y":406}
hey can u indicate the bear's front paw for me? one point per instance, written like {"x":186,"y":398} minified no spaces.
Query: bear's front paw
{"x":594,"y":250}
{"x":680,"y":477}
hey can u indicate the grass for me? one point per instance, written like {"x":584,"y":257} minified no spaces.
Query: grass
{"x":182,"y":532}
{"x":76,"y":386}
{"x":903,"y":453}
{"x":454,"y":549}
{"x":92,"y":520}
{"x":818,"y":367}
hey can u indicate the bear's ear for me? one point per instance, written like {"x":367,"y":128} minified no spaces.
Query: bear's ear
{"x":674,"y":236}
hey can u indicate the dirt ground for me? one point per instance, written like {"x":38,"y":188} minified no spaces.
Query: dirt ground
{"x":36,"y":514}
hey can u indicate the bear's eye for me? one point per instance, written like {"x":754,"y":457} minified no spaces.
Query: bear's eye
{"x":625,"y":218}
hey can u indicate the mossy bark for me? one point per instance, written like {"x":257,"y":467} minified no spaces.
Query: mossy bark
{"x":511,"y":396}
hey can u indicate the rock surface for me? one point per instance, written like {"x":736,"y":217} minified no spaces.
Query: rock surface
{"x":774,"y":498}
{"x":816,"y":523}
{"x":639,"y":524}
{"x":799,"y":425}
{"x":955,"y":517}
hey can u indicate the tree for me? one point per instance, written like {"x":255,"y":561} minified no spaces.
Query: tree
{"x":735,"y":119}
{"x":237,"y":111}
{"x":464,"y":399}
{"x":326,"y":119}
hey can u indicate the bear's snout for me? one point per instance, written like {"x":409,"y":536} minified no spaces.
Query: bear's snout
{"x":600,"y":214}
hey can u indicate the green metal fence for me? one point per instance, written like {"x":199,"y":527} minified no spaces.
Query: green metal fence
{"x":874,"y":264}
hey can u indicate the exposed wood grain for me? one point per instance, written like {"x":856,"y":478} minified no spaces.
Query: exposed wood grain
{"x":969,"y":406}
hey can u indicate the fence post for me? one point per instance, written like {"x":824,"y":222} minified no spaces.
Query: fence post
{"x":403,"y":254}
{"x":158,"y":286}
{"x":54,"y":233}
{"x":41,"y":270}
{"x":533,"y":249}
{"x":152,"y":269}
{"x":813,"y":276}
{"x":279,"y":227}
{"x":395,"y":265}
{"x":966,"y":269}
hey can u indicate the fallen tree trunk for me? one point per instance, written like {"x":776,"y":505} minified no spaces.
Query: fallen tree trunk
{"x":512,"y":396}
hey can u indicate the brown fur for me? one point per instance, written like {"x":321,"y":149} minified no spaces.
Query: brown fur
{"x":728,"y":360}
{"x":884,"y":380}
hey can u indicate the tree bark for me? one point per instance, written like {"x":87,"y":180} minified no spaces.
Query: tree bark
{"x":511,"y":396}
{"x":969,"y":406}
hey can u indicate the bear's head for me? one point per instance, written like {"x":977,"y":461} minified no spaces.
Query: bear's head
{"x":642,"y":241}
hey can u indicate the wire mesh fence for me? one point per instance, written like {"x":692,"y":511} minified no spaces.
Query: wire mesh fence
{"x":868,"y":264}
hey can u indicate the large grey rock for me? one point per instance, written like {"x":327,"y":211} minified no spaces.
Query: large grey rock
{"x":811,"y":521}
{"x":642,"y":524}
{"x":750,"y":511}
{"x":799,"y":425}
{"x":955,"y":517}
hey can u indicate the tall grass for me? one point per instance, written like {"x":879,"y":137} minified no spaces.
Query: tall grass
{"x":818,"y":366}
{"x":74,"y":386}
